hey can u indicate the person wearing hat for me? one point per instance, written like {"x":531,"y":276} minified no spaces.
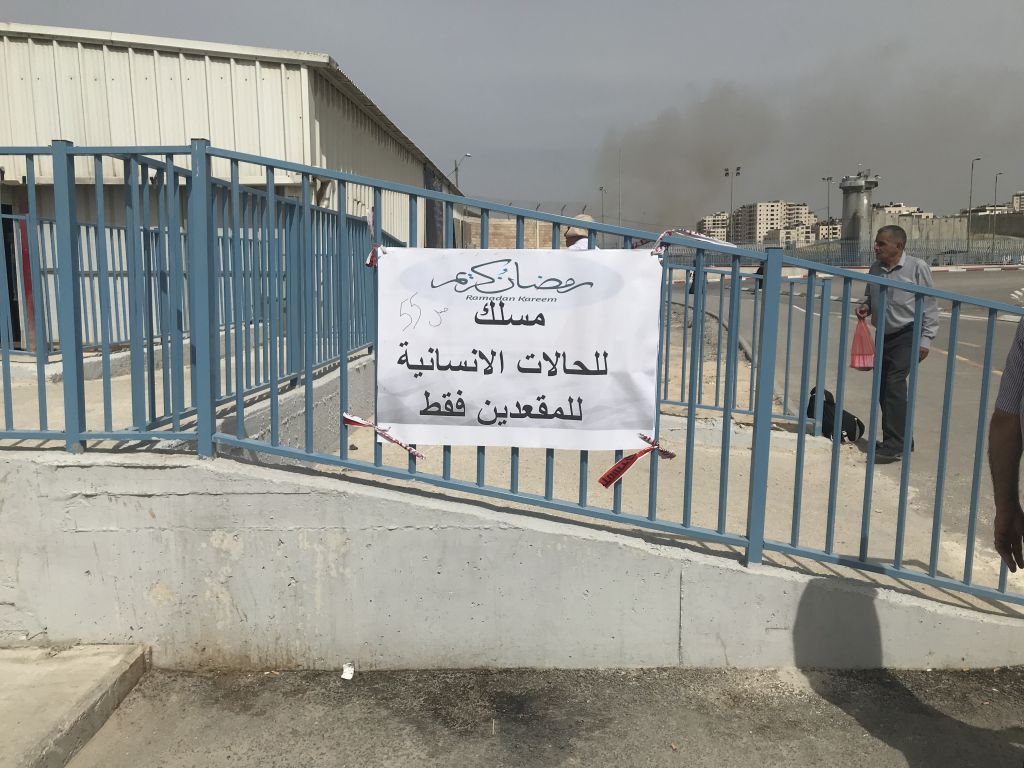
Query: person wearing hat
{"x":577,"y":238}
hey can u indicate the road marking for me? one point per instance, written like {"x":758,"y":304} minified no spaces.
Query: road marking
{"x":965,"y":316}
{"x":963,"y":359}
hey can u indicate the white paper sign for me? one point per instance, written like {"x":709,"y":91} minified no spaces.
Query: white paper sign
{"x":538,"y":349}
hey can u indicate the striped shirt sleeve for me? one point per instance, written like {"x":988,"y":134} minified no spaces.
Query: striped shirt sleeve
{"x":1011,"y":388}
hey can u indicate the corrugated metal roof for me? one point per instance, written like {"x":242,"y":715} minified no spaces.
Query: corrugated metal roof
{"x":321,"y":62}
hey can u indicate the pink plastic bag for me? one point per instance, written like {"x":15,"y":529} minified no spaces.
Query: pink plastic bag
{"x":862,"y":351}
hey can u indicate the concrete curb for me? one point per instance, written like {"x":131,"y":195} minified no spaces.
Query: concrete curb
{"x":90,"y":712}
{"x":1013,"y":268}
{"x":799,"y":272}
{"x":950,"y":268}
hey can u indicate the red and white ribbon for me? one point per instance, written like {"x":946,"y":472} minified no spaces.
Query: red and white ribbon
{"x":373,"y":258}
{"x":355,"y":421}
{"x":615,"y":473}
{"x":660,"y":248}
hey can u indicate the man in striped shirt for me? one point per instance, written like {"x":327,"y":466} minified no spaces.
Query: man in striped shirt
{"x":1005,"y":444}
{"x":894,"y":263}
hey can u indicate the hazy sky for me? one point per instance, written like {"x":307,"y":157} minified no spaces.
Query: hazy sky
{"x":545,"y":95}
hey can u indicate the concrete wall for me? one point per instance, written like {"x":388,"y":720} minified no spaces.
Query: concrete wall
{"x":1009,"y":225}
{"x":501,"y":233}
{"x":918,"y":229}
{"x":227,"y":564}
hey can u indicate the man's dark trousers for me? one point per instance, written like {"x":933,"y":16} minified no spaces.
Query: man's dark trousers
{"x":893,"y":393}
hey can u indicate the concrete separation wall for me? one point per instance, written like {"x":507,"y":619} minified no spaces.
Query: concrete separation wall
{"x":219,"y":563}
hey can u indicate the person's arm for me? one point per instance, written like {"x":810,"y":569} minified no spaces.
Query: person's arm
{"x":1004,"y":452}
{"x":1005,"y":446}
{"x":930,"y":325}
{"x":864,"y":308}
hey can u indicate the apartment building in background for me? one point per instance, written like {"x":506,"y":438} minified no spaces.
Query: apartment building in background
{"x":901,"y":209}
{"x":714,"y":225}
{"x":799,"y":214}
{"x":751,"y":223}
{"x":791,"y":237}
{"x":829,"y":230}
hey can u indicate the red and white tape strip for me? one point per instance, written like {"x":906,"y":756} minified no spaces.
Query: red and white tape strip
{"x":615,"y":473}
{"x":377,"y":248}
{"x":372,"y":259}
{"x":660,"y":248}
{"x":355,"y":421}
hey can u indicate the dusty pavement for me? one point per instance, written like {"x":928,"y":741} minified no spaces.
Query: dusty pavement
{"x":537,"y":719}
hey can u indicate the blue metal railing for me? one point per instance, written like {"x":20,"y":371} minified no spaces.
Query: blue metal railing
{"x":105,"y":252}
{"x":103,"y":269}
{"x":241,"y":297}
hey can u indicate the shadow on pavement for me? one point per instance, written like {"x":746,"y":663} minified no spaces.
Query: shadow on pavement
{"x":877,"y":698}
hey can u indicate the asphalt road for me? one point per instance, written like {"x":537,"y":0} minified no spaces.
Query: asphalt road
{"x":957,"y":475}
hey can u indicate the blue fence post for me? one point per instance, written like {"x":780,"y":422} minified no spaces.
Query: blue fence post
{"x":294,"y":268}
{"x":764,"y":396}
{"x":69,"y":305}
{"x":346,"y":293}
{"x":377,"y":236}
{"x":694,"y":390}
{"x":201,"y":298}
{"x":137,"y":306}
{"x":819,"y":402}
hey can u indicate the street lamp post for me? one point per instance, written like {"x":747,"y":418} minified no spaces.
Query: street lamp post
{"x":828,"y":204}
{"x":602,"y":190}
{"x":619,"y":186}
{"x":459,"y":162}
{"x":970,"y":205}
{"x":992,"y":221}
{"x":728,"y":221}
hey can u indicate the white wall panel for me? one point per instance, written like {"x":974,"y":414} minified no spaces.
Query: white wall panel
{"x":145,"y":107}
{"x":19,"y":92}
{"x":44,"y":92}
{"x":194,"y":99}
{"x":22,"y":106}
{"x":307,"y":116}
{"x":347,"y":139}
{"x":119,"y":97}
{"x":124,"y":91}
{"x":169,"y":98}
{"x":95,"y":108}
{"x":296,"y":130}
{"x":220,"y":103}
{"x":68,"y":87}
{"x":6,"y":130}
{"x":246,"y":111}
{"x":271,"y":108}
{"x":247,"y":117}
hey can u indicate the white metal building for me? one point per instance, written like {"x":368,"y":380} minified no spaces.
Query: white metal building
{"x":103,"y":88}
